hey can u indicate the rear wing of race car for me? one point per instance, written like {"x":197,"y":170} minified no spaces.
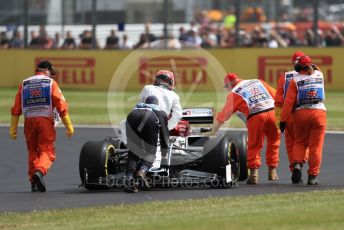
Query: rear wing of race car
{"x":198,"y":115}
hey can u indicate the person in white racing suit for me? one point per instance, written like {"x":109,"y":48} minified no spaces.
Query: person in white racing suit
{"x":169,"y":101}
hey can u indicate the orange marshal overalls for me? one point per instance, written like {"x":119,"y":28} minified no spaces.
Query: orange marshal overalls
{"x":36,"y":98}
{"x":282,"y":87}
{"x":254,"y":98}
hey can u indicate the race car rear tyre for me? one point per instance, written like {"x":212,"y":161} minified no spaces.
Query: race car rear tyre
{"x":93,"y":163}
{"x":240,"y":140}
{"x":218,"y":153}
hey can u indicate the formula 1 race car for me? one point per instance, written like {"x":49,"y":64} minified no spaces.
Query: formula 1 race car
{"x":194,"y":160}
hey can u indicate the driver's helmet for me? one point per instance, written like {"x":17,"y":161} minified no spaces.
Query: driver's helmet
{"x":165,"y":78}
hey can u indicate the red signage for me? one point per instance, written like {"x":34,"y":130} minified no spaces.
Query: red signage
{"x":187,"y":70}
{"x":271,"y":67}
{"x":72,"y":71}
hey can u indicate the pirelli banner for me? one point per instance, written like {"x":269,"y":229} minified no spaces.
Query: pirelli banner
{"x":195,"y":69}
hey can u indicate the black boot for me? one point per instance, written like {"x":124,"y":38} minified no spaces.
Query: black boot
{"x":296,"y":177}
{"x":38,"y":179}
{"x":130,"y":185}
{"x":34,"y":187}
{"x":312,"y":180}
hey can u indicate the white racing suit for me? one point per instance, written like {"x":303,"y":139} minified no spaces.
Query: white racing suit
{"x":169,"y":102}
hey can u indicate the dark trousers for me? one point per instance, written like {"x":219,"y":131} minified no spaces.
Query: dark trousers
{"x":142,"y":129}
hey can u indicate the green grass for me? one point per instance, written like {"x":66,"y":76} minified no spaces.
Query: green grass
{"x":311,"y":210}
{"x":91,"y":107}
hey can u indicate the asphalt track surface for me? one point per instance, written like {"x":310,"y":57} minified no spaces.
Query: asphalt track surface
{"x":63,"y":179}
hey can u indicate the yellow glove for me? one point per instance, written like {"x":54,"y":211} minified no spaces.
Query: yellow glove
{"x":68,"y":124}
{"x":14,"y":126}
{"x":278,"y":111}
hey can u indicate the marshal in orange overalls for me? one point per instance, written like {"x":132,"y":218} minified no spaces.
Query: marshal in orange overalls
{"x":281,"y":91}
{"x":36,"y":98}
{"x":306,"y":95}
{"x":254,"y":99}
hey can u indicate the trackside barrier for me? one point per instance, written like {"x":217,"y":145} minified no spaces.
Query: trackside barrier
{"x":93,"y":70}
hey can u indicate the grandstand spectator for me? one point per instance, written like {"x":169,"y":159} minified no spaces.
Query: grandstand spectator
{"x":259,"y":37}
{"x":17,"y":41}
{"x":44,"y":41}
{"x":193,"y":38}
{"x":321,"y":39}
{"x":112,"y":41}
{"x":272,"y":42}
{"x":309,"y":37}
{"x":151,"y":37}
{"x":145,"y":37}
{"x":87,"y":40}
{"x":34,"y":40}
{"x":208,"y":41}
{"x":69,"y":42}
{"x":245,"y":39}
{"x":4,"y":41}
{"x":125,"y":44}
{"x":56,"y":41}
{"x":218,"y":34}
{"x":182,"y":34}
{"x":275,"y":40}
{"x":227,"y":38}
{"x":143,"y":41}
{"x":291,"y":38}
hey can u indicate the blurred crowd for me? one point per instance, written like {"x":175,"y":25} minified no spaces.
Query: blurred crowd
{"x":203,"y":32}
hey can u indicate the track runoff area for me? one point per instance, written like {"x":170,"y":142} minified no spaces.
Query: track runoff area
{"x":63,"y":180}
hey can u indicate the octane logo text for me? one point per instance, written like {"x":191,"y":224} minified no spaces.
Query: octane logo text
{"x":271,"y":67}
{"x":72,"y":71}
{"x":187,"y":70}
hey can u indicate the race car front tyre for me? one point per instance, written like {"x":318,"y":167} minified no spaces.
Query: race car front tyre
{"x":240,"y":140}
{"x":93,"y":163}
{"x":218,"y":152}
